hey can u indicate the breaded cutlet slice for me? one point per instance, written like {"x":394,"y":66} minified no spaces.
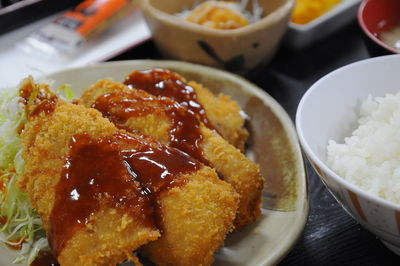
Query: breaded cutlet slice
{"x":111,"y":235}
{"x":231,"y":165}
{"x":224,"y":114}
{"x":194,"y":220}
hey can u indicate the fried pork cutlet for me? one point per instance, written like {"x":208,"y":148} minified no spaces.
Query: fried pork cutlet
{"x":109,"y":234}
{"x":220,"y":113}
{"x":172,"y":124}
{"x":102,"y":193}
{"x":194,"y":222}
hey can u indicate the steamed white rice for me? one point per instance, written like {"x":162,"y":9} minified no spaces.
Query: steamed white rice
{"x":370,"y":158}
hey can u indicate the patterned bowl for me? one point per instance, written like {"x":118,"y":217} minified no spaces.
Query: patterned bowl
{"x":329,"y":110}
{"x":238,"y":50}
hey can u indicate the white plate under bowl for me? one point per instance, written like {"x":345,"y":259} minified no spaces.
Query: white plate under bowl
{"x":300,"y":36}
{"x":273,"y":144}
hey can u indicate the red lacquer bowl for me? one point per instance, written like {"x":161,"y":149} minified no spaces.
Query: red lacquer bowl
{"x":376,"y":16}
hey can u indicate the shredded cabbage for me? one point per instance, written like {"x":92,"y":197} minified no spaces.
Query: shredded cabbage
{"x":68,"y":94}
{"x":20,"y":225}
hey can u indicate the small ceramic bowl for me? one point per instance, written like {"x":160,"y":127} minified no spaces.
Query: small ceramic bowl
{"x":301,"y":36}
{"x":375,"y":17}
{"x":238,"y":50}
{"x":329,"y":111}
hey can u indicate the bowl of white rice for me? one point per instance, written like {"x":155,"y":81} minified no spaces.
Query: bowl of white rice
{"x":348,"y":124}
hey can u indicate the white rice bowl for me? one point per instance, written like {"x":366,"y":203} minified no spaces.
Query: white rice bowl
{"x":370,"y":158}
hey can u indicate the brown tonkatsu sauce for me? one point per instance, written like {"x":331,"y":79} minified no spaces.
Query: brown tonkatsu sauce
{"x":26,"y":90}
{"x":155,"y":166}
{"x":46,"y":106}
{"x":47,"y":100}
{"x":45,"y":258}
{"x":184,"y":133}
{"x":93,"y":174}
{"x":162,"y":82}
{"x":3,"y":189}
{"x":120,"y":172}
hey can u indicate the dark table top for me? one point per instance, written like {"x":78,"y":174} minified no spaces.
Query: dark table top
{"x":331,"y":236}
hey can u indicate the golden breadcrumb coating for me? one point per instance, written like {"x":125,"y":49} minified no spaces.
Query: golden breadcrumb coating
{"x":111,"y":236}
{"x":224,"y":114}
{"x":232,"y":165}
{"x":239,"y":171}
{"x":196,"y":219}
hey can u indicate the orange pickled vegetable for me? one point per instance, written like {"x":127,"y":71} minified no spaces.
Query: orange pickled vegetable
{"x":308,"y":10}
{"x":218,"y":15}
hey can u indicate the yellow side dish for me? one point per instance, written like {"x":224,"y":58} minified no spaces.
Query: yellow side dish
{"x":308,"y":10}
{"x":218,"y":15}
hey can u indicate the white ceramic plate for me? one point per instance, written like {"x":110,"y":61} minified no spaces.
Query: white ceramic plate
{"x":300,"y":36}
{"x":273,"y":144}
